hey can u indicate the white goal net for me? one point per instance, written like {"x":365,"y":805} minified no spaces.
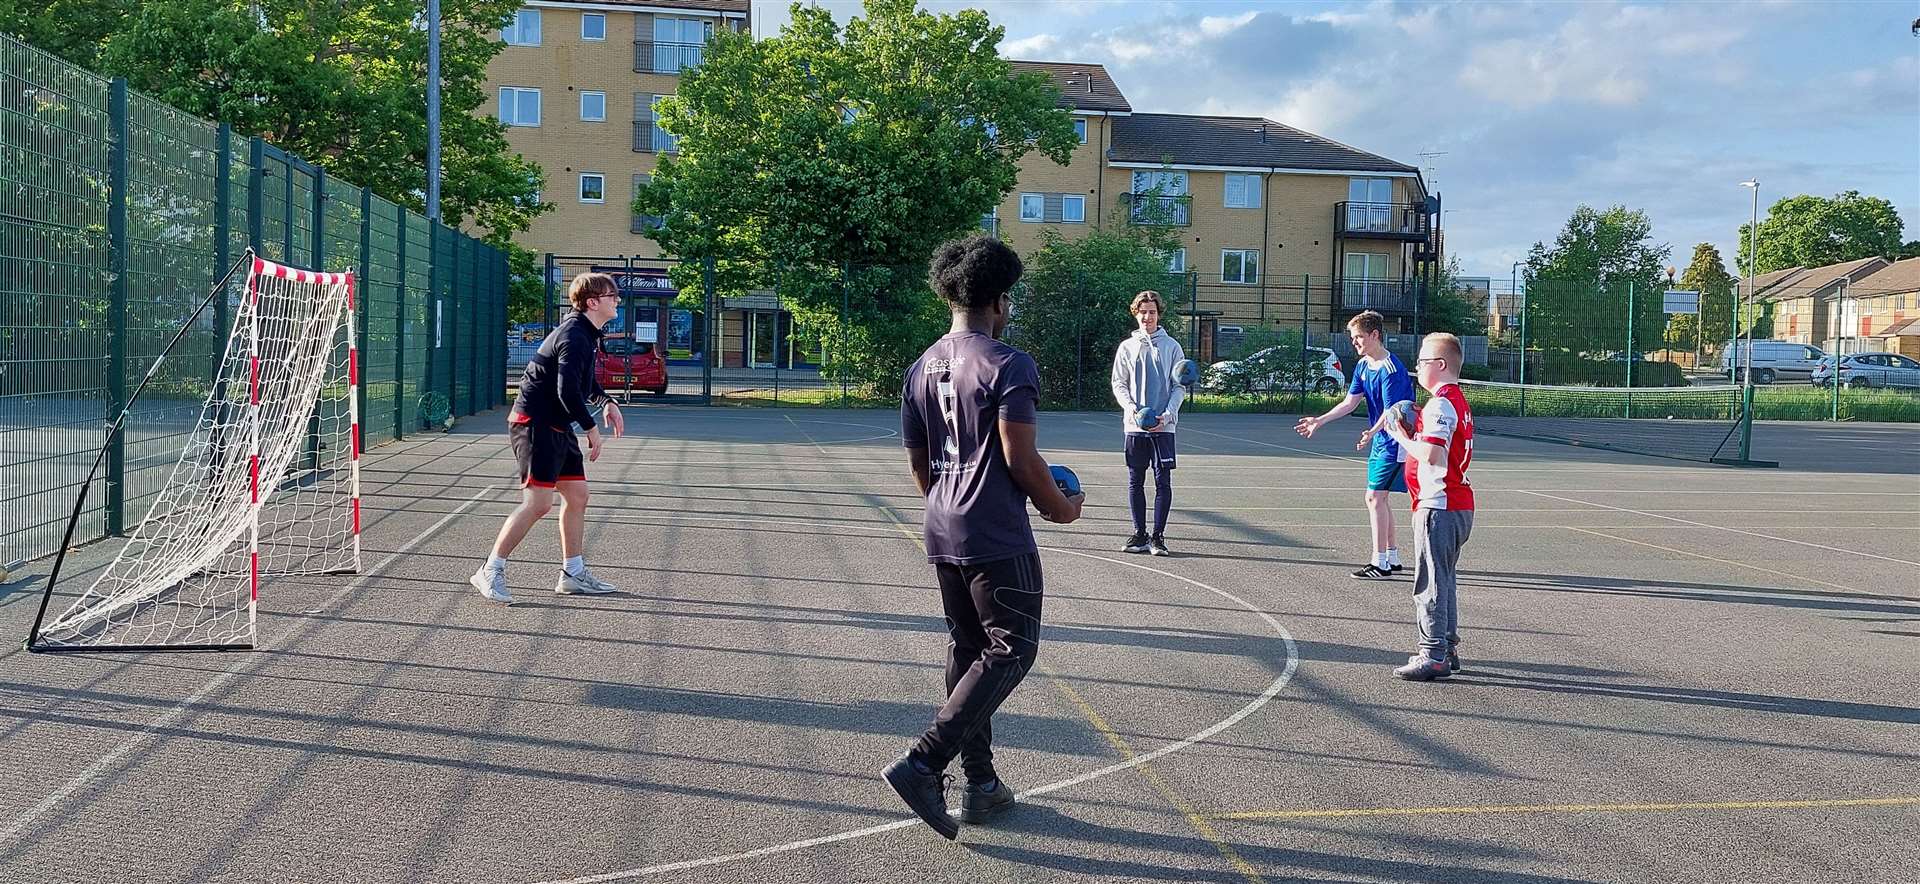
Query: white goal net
{"x":267,"y":484}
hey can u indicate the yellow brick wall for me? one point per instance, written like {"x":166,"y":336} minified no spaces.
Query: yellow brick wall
{"x":561,"y":67}
{"x":1081,"y":176}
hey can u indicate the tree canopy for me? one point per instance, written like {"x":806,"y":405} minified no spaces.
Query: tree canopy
{"x":1812,"y":231}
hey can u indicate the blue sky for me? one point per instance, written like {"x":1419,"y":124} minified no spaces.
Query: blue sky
{"x":1537,"y":107}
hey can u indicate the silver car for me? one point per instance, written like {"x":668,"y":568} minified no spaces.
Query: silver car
{"x":1864,"y":370}
{"x":1231,"y":376}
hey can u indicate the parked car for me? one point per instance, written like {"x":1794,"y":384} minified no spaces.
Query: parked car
{"x":1772,"y":361}
{"x":624,"y":363}
{"x":1276,"y":368}
{"x":1861,"y":370}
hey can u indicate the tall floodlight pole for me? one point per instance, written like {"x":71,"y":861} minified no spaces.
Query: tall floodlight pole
{"x":433,"y":110}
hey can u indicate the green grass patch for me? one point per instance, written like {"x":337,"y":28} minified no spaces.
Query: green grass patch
{"x":1817,"y":404}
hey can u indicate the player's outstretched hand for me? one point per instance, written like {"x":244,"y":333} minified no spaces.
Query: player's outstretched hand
{"x":1070,"y":514}
{"x":1306,"y":425}
{"x":615,"y":420}
{"x":593,"y":444}
{"x":1365,"y":438}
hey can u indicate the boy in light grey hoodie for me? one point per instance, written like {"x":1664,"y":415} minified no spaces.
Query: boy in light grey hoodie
{"x":1143,"y":379}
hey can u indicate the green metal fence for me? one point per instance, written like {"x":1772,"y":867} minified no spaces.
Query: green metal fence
{"x":117,"y":214}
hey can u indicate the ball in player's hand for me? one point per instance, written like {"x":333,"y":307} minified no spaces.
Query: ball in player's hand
{"x":1147,"y":418}
{"x":1403,"y":413}
{"x":1065,"y":480}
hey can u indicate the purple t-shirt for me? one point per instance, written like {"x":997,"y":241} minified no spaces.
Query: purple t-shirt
{"x":951,"y":406}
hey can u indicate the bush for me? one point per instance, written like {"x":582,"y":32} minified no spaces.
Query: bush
{"x":1070,"y":309}
{"x":1559,"y":368}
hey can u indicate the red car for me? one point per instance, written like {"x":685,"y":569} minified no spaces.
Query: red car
{"x":625,"y":364}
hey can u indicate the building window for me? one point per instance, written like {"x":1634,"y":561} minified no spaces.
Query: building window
{"x":1243,"y":191}
{"x":593,"y":26}
{"x":1073,"y":208}
{"x":679,"y":43}
{"x":644,"y":223}
{"x":1240,"y":266}
{"x":648,"y":137}
{"x":524,"y":30}
{"x":1177,"y":260}
{"x":593,"y":187}
{"x":519,"y":107}
{"x":593,"y":107}
{"x":1170,"y":183}
{"x":1033,"y":207}
{"x":1080,"y":130}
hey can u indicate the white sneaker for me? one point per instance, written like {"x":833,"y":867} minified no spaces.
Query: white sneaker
{"x":492,"y":584}
{"x":583,"y":583}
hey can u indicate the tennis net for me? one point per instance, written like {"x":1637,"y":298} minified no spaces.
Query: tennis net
{"x":1701,"y":423}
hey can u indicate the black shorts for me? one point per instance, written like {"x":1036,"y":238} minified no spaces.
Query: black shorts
{"x":547,"y":455}
{"x":1143,"y":449}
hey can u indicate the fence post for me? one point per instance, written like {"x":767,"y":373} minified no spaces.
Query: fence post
{"x":319,"y":265}
{"x":1079,"y":342}
{"x":709,"y":346}
{"x":1306,"y":302}
{"x":256,"y":186}
{"x":432,"y":305}
{"x":363,"y":308}
{"x":1629,"y":354}
{"x":222,"y":233}
{"x":1523,"y":355}
{"x":286,"y":217}
{"x":400,"y":326}
{"x":117,"y":305}
{"x":846,"y":281}
{"x":1840,"y":312}
{"x":450,"y":310}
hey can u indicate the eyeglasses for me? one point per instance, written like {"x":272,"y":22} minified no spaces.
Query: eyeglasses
{"x":1426,"y":359}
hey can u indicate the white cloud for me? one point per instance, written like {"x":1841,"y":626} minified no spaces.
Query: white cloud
{"x":1215,"y":25}
{"x":1029,"y":47}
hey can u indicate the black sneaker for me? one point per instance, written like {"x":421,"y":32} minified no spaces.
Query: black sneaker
{"x":1453,"y":660}
{"x":985,"y":799}
{"x":1420,"y":668}
{"x":925,"y":794}
{"x":1395,"y":568}
{"x":1158,"y":547}
{"x":1136,"y":544}
{"x":1373,"y":572}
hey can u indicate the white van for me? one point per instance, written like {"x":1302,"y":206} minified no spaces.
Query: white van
{"x":1772,"y":361}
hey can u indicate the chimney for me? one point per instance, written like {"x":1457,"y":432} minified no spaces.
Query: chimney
{"x":1263,"y":132}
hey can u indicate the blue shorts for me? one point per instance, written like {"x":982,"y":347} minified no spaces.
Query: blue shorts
{"x":1386,"y":474}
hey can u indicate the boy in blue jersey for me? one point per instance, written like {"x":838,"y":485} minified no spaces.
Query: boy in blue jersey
{"x":1382,"y":381}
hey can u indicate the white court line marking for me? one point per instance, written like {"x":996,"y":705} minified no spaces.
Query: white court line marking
{"x":1772,"y":572}
{"x":1273,"y":690}
{"x":1188,"y":444}
{"x":100,"y":766}
{"x":1725,"y":528}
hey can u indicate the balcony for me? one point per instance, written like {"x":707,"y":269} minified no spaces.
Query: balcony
{"x":1384,"y":295}
{"x":1159,"y":211}
{"x":648,"y":137}
{"x":650,"y":57}
{"x":1398,"y":221}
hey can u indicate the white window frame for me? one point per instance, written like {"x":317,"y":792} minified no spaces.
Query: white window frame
{"x":1177,"y":260}
{"x":1079,"y":214}
{"x":1040,"y":201}
{"x":514,"y":118}
{"x":603,"y":27}
{"x":1249,"y":193}
{"x":582,"y":192}
{"x":1243,"y":253}
{"x":1080,"y":128}
{"x":583,"y":106}
{"x":1175,"y":182}
{"x":515,"y":33}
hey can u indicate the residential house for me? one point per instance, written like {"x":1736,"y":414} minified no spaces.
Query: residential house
{"x":1810,"y":305}
{"x":1885,"y":309}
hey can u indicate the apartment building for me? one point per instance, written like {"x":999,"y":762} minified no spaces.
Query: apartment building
{"x":1854,"y":306}
{"x":1277,"y":226}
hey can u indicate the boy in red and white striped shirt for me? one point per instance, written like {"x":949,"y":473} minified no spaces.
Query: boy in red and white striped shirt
{"x":1439,"y":449}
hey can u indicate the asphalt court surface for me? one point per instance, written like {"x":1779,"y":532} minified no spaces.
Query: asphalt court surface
{"x":1673,"y":672}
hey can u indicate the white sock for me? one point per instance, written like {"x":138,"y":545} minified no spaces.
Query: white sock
{"x":1380,"y":561}
{"x":1393,"y":556}
{"x":574,"y":565}
{"x":496,"y":563}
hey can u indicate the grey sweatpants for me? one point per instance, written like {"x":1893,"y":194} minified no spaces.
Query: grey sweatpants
{"x":1438,"y":536}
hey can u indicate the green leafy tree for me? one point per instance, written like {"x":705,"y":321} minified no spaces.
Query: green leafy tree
{"x":1812,"y":231}
{"x":1579,"y":289}
{"x":1448,"y":306}
{"x":1070,"y":310}
{"x":828,"y":162}
{"x":1708,"y":275}
{"x":339,"y":84}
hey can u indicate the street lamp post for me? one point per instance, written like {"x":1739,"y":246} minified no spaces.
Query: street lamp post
{"x":1753,"y":270}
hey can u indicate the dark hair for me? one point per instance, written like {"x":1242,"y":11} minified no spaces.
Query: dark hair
{"x":973,"y":273}
{"x":587,"y":286}
{"x":1369,"y":322}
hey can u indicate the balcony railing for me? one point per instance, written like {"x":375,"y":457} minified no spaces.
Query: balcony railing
{"x":648,"y":137}
{"x":666,"y":58}
{"x":1383,"y":220}
{"x":1165,"y":211}
{"x":1384,"y":295}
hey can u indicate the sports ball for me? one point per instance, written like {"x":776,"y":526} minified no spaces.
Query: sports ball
{"x":1403,"y":413}
{"x":1147,"y":417}
{"x":1185,"y":373}
{"x":1064,"y":478}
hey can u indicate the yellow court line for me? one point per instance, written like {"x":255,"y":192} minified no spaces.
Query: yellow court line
{"x":1185,"y":807}
{"x":1769,"y":571}
{"x":1563,"y":808}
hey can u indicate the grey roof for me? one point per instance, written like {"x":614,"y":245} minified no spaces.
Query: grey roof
{"x":1815,"y":281}
{"x":1187,"y":139}
{"x":1899,"y":277}
{"x":1082,"y":86}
